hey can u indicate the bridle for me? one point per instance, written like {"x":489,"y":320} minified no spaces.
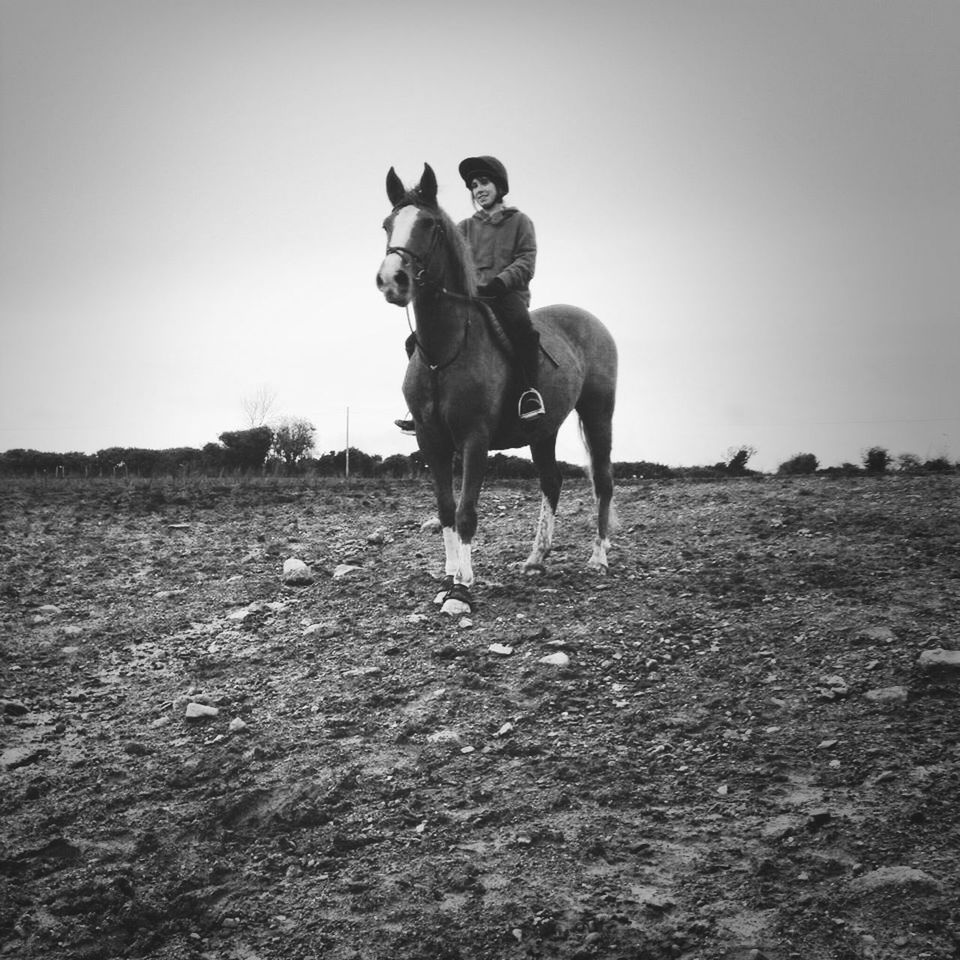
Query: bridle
{"x":422,"y":280}
{"x":423,"y":263}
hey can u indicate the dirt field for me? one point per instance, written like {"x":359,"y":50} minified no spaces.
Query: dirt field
{"x":747,"y":755}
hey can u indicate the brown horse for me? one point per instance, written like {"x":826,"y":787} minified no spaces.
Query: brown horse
{"x":462,"y":387}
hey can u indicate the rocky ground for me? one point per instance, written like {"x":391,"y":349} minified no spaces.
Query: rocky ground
{"x":750,"y":748}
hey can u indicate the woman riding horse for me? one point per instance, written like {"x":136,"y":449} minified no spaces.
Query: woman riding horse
{"x":504,"y":246}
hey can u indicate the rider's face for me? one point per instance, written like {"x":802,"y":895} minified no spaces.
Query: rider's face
{"x":484,"y":191}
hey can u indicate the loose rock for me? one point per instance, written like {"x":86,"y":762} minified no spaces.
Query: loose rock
{"x":296,"y":572}
{"x":939,"y":659}
{"x":888,"y":695}
{"x":197,"y":711}
{"x":898,"y":876}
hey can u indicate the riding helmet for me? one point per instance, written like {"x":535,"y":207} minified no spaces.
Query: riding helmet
{"x":485,"y":166}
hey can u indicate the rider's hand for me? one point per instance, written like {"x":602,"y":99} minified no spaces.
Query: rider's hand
{"x":492,"y":290}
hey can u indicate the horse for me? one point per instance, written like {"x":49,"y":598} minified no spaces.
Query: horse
{"x":461,"y":384}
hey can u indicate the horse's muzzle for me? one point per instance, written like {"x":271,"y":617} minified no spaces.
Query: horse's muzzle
{"x":394,"y":281}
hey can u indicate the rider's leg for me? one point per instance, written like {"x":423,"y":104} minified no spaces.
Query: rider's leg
{"x":513,"y":314}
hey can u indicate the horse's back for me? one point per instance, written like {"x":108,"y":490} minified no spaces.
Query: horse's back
{"x":573,"y":331}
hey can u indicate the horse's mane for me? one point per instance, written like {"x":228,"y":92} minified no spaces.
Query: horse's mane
{"x":464,"y":273}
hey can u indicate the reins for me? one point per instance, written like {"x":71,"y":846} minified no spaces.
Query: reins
{"x":437,"y":367}
{"x":423,"y":281}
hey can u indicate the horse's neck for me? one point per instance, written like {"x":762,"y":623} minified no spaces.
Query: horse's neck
{"x":442,"y":319}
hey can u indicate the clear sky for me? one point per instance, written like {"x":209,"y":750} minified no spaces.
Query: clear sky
{"x":760,"y":198}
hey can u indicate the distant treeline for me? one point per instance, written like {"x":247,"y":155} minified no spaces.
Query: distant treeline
{"x":251,"y":452}
{"x":214,"y":460}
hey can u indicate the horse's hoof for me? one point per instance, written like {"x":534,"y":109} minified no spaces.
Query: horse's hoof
{"x":446,"y":586}
{"x":597,"y":567}
{"x":533,"y":569}
{"x":457,"y":601}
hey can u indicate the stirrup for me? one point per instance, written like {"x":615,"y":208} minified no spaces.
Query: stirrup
{"x":534,"y":403}
{"x":407,"y":426}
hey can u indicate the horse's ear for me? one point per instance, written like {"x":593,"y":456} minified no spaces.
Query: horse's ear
{"x":428,"y":186}
{"x":395,"y":189}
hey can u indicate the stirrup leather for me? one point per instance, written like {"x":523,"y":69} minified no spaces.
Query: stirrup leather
{"x":538,"y":411}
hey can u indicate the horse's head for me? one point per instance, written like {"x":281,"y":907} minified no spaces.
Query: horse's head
{"x":415,"y":234}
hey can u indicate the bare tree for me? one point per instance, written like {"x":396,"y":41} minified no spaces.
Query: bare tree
{"x":257,"y":406}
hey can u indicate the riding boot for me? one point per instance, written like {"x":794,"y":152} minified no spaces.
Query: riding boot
{"x":406,"y":425}
{"x":531,"y":405}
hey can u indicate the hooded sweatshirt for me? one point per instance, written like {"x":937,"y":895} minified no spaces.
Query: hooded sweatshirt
{"x":504,"y":245}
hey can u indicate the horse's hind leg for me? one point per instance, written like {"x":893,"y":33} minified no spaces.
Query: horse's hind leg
{"x":545,"y":459}
{"x":598,"y":434}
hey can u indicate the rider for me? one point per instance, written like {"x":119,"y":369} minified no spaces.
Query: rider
{"x":504,"y":247}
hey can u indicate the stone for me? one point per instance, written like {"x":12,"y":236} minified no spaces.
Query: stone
{"x":344,"y":570}
{"x":430,"y":526}
{"x":897,"y":876}
{"x":296,"y":572}
{"x":445,"y":736}
{"x":874,"y":635}
{"x":888,"y":695}
{"x":939,"y":659}
{"x":556,"y":660}
{"x":500,"y":649}
{"x":198,"y":711}
{"x":236,"y":725}
{"x":453,"y":607}
{"x":49,"y":610}
{"x":780,"y":827}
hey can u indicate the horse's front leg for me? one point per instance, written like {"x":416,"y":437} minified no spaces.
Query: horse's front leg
{"x":459,"y":600}
{"x":441,"y":470}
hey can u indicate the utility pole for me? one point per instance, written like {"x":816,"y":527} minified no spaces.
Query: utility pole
{"x":348,"y":446}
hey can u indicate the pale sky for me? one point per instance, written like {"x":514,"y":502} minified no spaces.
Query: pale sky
{"x":760,"y":198}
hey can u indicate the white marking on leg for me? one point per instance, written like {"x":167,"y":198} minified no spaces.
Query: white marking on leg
{"x":543,"y":541}
{"x":451,"y":548}
{"x":598,"y":561}
{"x":466,"y":566}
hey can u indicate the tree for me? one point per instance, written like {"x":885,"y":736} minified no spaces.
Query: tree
{"x":396,"y":466}
{"x":909,"y":463}
{"x":737,"y":458}
{"x":876,"y":460}
{"x":257,"y":406}
{"x":247,"y":449}
{"x":293,"y":440}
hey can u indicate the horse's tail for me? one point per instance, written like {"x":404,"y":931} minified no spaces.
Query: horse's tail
{"x":614,"y":518}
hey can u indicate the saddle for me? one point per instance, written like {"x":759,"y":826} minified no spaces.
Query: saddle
{"x":504,"y":342}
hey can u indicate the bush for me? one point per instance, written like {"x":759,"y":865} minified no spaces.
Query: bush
{"x":939,"y":465}
{"x":876,"y":460}
{"x":909,"y":463}
{"x":247,"y":449}
{"x":801,"y":464}
{"x":641,"y":470}
{"x":736,"y":465}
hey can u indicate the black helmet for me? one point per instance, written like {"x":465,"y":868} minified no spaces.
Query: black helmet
{"x":485,"y":166}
